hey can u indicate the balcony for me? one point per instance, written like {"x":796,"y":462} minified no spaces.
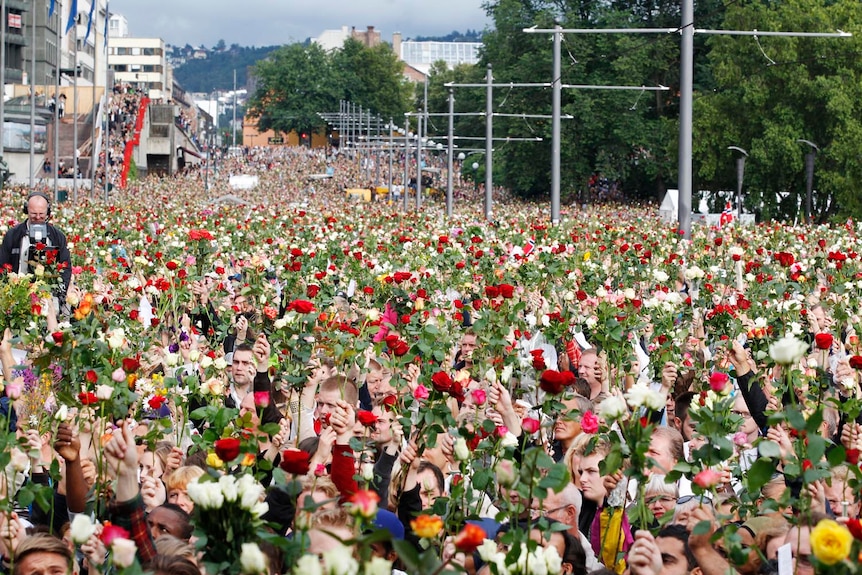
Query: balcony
{"x":21,"y":5}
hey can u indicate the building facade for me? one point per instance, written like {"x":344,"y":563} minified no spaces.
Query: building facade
{"x":141,"y":63}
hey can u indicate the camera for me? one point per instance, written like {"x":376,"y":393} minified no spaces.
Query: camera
{"x":38,"y":234}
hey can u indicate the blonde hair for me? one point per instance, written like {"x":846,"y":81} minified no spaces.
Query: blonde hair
{"x":181,"y":477}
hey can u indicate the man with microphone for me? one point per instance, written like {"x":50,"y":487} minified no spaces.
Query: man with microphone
{"x":34,"y":241}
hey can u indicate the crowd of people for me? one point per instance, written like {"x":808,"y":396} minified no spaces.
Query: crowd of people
{"x":304,"y":384}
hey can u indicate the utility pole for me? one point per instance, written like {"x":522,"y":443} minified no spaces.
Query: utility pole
{"x":489,"y":141}
{"x":451,"y":137}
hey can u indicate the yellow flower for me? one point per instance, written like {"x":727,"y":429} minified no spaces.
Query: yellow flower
{"x":586,"y":256}
{"x":214,"y":461}
{"x":831,"y":542}
{"x":248,"y":460}
{"x":426,"y":526}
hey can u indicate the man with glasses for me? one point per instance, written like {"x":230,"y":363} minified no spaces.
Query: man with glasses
{"x":565,"y":507}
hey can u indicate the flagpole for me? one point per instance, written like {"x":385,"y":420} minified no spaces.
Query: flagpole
{"x":3,"y":77}
{"x":108,"y":95}
{"x":94,"y":13}
{"x":57,"y":110}
{"x":75,"y":109}
{"x":32,"y":83}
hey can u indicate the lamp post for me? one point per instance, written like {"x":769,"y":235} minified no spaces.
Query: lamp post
{"x":740,"y":172}
{"x":475,"y":176}
{"x":809,"y":176}
{"x":461,"y":157}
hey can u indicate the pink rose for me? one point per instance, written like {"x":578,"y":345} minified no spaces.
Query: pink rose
{"x":119,"y":375}
{"x":479,"y":396}
{"x":707,"y":478}
{"x":589,"y":422}
{"x":718,"y":381}
{"x":530,"y":425}
{"x":421,"y":392}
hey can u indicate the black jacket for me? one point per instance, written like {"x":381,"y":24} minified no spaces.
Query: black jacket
{"x":10,"y":252}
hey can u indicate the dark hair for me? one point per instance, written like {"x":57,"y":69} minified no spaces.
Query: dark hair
{"x":185,"y":524}
{"x":582,"y":387}
{"x":574,"y":553}
{"x":172,"y":565}
{"x":243,"y":347}
{"x":677,"y":531}
{"x":682,"y":403}
{"x":438,"y":474}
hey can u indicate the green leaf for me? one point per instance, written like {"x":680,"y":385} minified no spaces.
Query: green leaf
{"x":759,"y":474}
{"x":702,"y":528}
{"x":769,"y":449}
{"x":836,"y":456}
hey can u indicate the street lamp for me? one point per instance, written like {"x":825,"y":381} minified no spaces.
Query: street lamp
{"x":740,"y":171}
{"x":461,"y":156}
{"x":809,"y":175}
{"x":475,"y":176}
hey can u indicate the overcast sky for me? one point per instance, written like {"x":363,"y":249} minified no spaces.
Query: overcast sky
{"x":275,"y":22}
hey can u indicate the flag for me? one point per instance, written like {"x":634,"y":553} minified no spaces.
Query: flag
{"x":51,"y":9}
{"x":73,"y":15}
{"x":529,"y":247}
{"x":726,"y":215}
{"x":90,"y":19}
{"x":107,"y":17}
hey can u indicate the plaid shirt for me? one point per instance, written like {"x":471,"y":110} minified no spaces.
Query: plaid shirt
{"x":130,"y":515}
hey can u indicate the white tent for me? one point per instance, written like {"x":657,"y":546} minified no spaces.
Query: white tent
{"x":669,"y":209}
{"x":243,"y":182}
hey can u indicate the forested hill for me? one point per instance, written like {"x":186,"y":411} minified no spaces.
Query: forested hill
{"x":216,"y":71}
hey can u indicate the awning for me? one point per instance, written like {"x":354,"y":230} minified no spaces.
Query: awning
{"x":191,"y":153}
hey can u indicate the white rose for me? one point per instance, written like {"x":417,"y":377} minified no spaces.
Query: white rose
{"x":117,"y":338}
{"x":123,"y":552}
{"x":251,"y":492}
{"x":531,"y":319}
{"x":640,"y":395}
{"x":629,"y":293}
{"x":220,"y":363}
{"x":553,"y":560}
{"x":172,"y":359}
{"x":194,"y":355}
{"x":280,"y":323}
{"x":491,"y":375}
{"x":208,"y":494}
{"x":259,"y":509}
{"x":612,"y":408}
{"x":206,"y":361}
{"x":462,"y":452}
{"x":252,"y":560}
{"x":601,"y":293}
{"x":660,"y":276}
{"x":506,"y":374}
{"x":378,"y":566}
{"x":308,"y":565}
{"x":367,"y":471}
{"x":340,"y":561}
{"x":82,"y":528}
{"x":787,"y":350}
{"x":488,"y":551}
{"x":20,"y":461}
{"x":62,"y":412}
{"x":104,"y":392}
{"x":227,"y":483}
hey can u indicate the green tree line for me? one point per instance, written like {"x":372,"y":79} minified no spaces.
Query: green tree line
{"x":761,"y":94}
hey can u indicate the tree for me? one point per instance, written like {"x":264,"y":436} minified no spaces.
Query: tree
{"x":371,"y":78}
{"x":293,"y":85}
{"x":773,"y":91}
{"x":220,"y":46}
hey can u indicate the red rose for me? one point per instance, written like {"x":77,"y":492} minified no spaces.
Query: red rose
{"x":855,"y":527}
{"x":227,"y":448}
{"x":530,"y":425}
{"x":366,"y":418}
{"x":92,"y":376}
{"x":111,"y":532}
{"x":171,"y":265}
{"x":538,"y":360}
{"x":261,"y":399}
{"x":853,"y":456}
{"x":856,"y":362}
{"x":156,"y":401}
{"x":390,"y":401}
{"x":131,"y":364}
{"x":552,"y":381}
{"x":492,"y":291}
{"x":718,"y":381}
{"x":470,"y":538}
{"x":507,"y":291}
{"x":312,"y":290}
{"x":442,"y":381}
{"x":300,"y":306}
{"x":823,"y":340}
{"x":134,"y":314}
{"x":58,"y":337}
{"x":295,"y":461}
{"x":806,"y":464}
{"x":88,"y":398}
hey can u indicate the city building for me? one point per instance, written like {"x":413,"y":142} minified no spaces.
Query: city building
{"x":421,"y":55}
{"x":141,"y":63}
